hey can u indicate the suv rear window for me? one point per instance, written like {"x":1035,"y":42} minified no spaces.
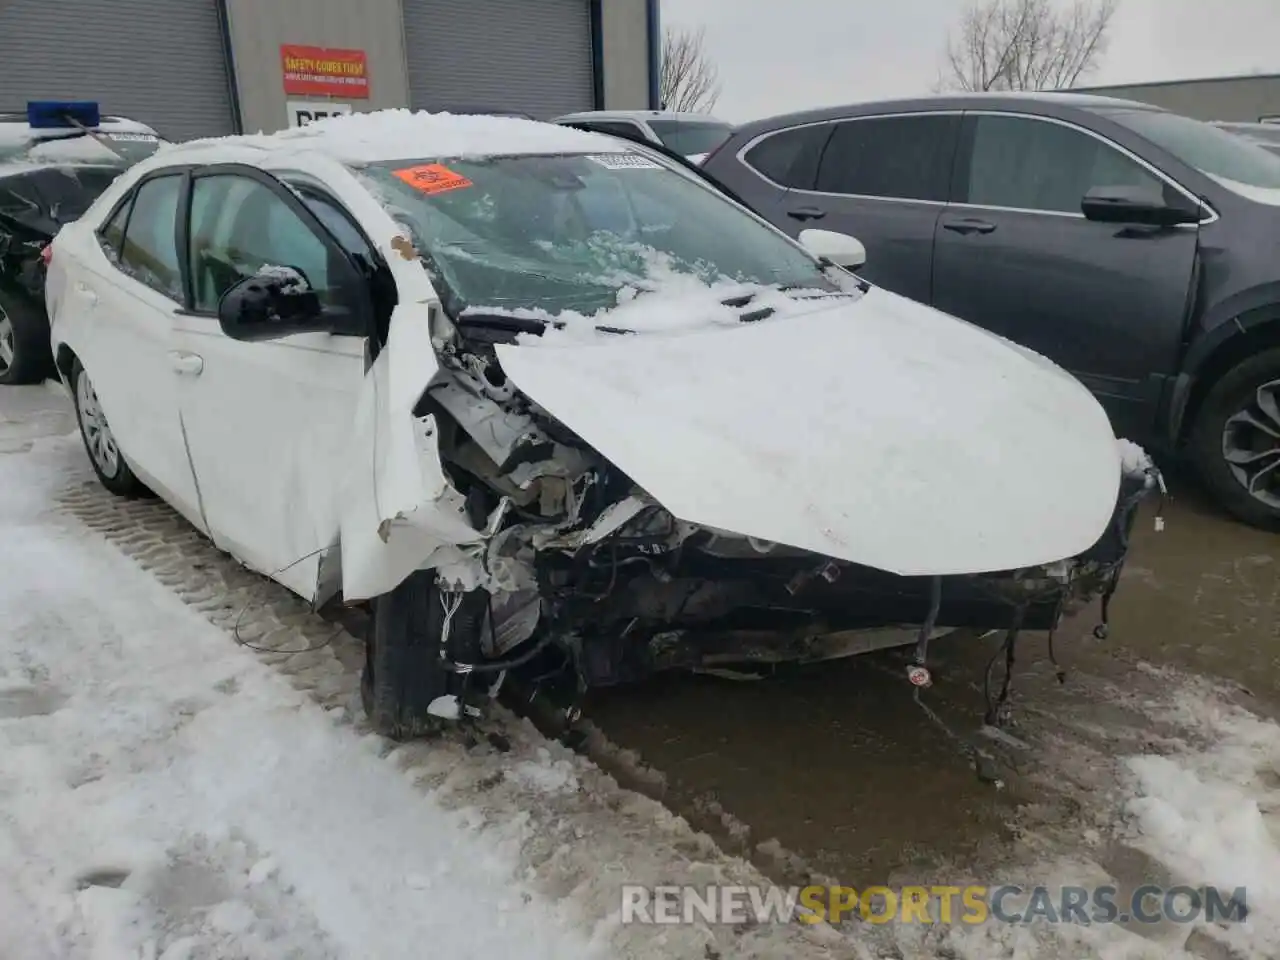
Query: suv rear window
{"x":790,"y":157}
{"x":691,"y":137}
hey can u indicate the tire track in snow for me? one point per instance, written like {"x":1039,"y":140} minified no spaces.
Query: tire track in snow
{"x":582,"y":835}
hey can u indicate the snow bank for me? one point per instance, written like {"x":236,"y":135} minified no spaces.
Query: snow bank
{"x":1212,"y":815}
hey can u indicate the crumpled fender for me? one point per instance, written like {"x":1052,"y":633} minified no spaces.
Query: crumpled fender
{"x":397,"y":505}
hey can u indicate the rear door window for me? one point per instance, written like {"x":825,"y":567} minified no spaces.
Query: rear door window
{"x":790,"y":157}
{"x":149,"y":252}
{"x":904,"y":157}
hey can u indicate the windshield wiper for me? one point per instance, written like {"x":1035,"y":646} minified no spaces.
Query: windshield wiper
{"x":504,"y":328}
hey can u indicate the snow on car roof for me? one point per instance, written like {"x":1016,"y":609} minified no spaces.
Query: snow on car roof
{"x":401,"y":134}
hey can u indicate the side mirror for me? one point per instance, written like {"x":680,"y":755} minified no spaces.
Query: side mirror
{"x":280,"y":302}
{"x":839,"y":248}
{"x":1135,"y":205}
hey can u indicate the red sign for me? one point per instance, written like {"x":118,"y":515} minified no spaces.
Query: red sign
{"x":324,"y":71}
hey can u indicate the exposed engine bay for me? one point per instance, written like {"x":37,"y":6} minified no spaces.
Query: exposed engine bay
{"x":581,"y":576}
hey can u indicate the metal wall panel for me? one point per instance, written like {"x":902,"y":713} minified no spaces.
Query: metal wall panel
{"x":626,"y":54}
{"x":259,"y":27}
{"x":161,"y":62}
{"x":528,"y":55}
{"x":1246,"y":99}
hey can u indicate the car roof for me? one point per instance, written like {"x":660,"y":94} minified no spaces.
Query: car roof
{"x":397,"y":134}
{"x":1049,"y":102}
{"x":646,"y":115}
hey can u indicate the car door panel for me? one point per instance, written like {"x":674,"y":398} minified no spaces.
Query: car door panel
{"x":883,"y":180}
{"x":268,"y":421}
{"x":268,"y":424}
{"x":1105,"y":301}
{"x":123,"y":328}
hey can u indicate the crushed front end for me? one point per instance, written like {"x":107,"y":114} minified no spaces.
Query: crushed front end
{"x":587,"y":581}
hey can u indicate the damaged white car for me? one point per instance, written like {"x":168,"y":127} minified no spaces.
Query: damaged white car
{"x":556,"y":407}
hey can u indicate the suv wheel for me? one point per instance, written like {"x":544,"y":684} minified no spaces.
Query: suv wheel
{"x":99,"y":441}
{"x":403,"y":672}
{"x":1235,"y":442}
{"x":22,"y":354}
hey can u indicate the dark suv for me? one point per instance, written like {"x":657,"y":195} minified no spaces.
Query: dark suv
{"x":1138,"y":248}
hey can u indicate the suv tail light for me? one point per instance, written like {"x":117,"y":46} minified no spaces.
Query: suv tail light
{"x":46,"y":254}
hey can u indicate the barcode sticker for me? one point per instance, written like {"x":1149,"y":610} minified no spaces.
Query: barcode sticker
{"x":624,"y":161}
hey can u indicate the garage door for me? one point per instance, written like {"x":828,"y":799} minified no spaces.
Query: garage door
{"x":157,"y":61}
{"x":527,"y":55}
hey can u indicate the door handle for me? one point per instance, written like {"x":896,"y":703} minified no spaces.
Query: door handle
{"x":87,"y":292}
{"x":190,"y":364}
{"x":806,"y":213}
{"x":968,"y":226}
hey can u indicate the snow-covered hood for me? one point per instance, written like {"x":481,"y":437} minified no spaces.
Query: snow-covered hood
{"x":877,"y":431}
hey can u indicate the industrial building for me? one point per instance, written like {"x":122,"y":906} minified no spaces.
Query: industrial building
{"x":194,"y":68}
{"x":1252,"y":98}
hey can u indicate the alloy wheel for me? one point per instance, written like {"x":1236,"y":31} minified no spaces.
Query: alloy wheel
{"x":7,"y":348}
{"x":98,"y":437}
{"x":1251,"y":445}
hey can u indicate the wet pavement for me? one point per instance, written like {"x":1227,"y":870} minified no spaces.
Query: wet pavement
{"x":832,"y":770}
{"x":836,"y":763}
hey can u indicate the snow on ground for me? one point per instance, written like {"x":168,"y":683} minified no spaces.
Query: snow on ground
{"x":165,"y":794}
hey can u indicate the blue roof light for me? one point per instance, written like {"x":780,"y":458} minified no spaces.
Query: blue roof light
{"x":48,"y":114}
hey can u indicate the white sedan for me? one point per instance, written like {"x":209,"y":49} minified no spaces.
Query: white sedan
{"x":546,"y":398}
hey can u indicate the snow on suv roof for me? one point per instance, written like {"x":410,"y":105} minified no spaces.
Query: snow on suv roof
{"x":401,"y":134}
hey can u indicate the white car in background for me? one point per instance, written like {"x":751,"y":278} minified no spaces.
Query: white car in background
{"x":543,"y":398}
{"x":692,"y":135}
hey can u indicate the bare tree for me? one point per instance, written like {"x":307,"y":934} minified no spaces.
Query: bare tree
{"x":689,"y":80}
{"x":1026,"y":44}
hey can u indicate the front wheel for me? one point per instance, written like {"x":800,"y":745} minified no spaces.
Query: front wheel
{"x":99,"y":441}
{"x":404,"y":670}
{"x":1235,"y":440}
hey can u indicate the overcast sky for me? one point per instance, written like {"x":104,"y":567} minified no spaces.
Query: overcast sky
{"x":775,"y":57}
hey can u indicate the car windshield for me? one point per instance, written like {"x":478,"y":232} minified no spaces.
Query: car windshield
{"x":579,"y":233}
{"x":1227,"y":157}
{"x":691,"y":137}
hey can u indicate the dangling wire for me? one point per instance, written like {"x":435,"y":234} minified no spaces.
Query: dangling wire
{"x":1010,"y":641}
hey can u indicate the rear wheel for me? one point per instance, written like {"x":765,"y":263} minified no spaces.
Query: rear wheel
{"x":99,"y":441}
{"x":24,"y":347}
{"x":403,"y":671}
{"x":1235,"y":441}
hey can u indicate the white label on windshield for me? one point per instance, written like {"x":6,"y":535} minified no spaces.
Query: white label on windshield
{"x":132,"y":137}
{"x":624,"y":161}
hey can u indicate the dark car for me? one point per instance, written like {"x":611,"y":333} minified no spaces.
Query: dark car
{"x":1138,"y":248}
{"x":51,"y":170}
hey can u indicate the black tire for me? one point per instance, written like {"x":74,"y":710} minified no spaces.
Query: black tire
{"x":1234,"y":392}
{"x":403,"y":673}
{"x":28,"y":332}
{"x":117,"y":478}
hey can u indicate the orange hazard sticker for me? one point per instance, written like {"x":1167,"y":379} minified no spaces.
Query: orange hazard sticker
{"x":432,"y":178}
